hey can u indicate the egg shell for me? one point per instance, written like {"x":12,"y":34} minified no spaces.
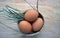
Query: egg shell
{"x":37,"y":25}
{"x":25,"y":26}
{"x":31,"y":15}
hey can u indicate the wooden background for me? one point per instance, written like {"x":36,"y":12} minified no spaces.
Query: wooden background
{"x":50,"y":9}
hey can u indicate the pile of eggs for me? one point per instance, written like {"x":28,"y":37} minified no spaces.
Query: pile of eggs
{"x":31,"y":22}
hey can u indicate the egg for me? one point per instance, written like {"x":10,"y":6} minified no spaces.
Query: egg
{"x":37,"y":25}
{"x":25,"y":26}
{"x":31,"y":15}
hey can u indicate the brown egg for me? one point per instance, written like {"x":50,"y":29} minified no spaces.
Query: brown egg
{"x":25,"y":26}
{"x":31,"y":15}
{"x":37,"y":25}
